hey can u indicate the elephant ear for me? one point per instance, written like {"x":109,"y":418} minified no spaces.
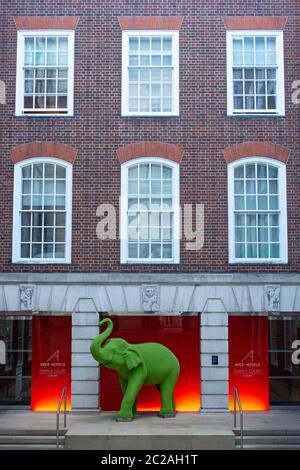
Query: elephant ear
{"x":132,"y":358}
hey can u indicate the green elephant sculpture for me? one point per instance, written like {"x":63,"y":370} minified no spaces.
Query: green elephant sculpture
{"x":136,"y":365}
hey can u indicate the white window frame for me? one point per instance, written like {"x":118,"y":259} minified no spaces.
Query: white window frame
{"x":20,"y":82}
{"x":16,"y":235}
{"x":280,"y":111}
{"x":125,"y":65}
{"x":283,"y":234}
{"x":124,"y":206}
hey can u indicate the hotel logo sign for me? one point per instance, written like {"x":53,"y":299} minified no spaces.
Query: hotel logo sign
{"x":248,"y":367}
{"x":52,"y":367}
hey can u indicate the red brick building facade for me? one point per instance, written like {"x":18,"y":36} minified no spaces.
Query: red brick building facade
{"x":203,"y":139}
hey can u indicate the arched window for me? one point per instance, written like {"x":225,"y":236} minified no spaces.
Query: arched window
{"x":257,"y":211}
{"x":150,"y":211}
{"x":42,"y":211}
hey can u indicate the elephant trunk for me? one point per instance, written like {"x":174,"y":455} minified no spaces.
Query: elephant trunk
{"x":97,"y":351}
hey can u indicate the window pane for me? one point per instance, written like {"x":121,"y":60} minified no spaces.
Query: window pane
{"x":262,"y":229}
{"x":274,"y":250}
{"x":263,"y":235}
{"x":144,"y":250}
{"x":262,"y":187}
{"x":239,"y":202}
{"x":132,"y":250}
{"x":249,"y":43}
{"x":237,"y":44}
{"x":29,"y":44}
{"x":167,"y":250}
{"x":262,"y":202}
{"x":239,"y":172}
{"x":240,"y":249}
{"x":252,"y":65}
{"x":167,"y":44}
{"x":274,"y":203}
{"x":239,"y":234}
{"x":250,"y":202}
{"x":250,"y":171}
{"x":263,"y":251}
{"x":155,"y":250}
{"x":145,"y":233}
{"x":39,"y":227}
{"x":60,"y":172}
{"x":240,"y":220}
{"x":251,"y":250}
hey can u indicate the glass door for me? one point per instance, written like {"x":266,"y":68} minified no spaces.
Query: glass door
{"x":15,"y":364}
{"x":284,"y":370}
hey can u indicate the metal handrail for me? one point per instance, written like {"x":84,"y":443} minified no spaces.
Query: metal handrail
{"x":63,"y":397}
{"x":237,"y":400}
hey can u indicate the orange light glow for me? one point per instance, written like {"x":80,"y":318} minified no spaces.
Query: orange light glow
{"x":181,"y":335}
{"x":185,"y":403}
{"x":51,"y":362}
{"x":250,"y":403}
{"x":248,"y":362}
{"x":48,"y":405}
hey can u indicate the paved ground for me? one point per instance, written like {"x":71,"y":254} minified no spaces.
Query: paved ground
{"x":186,"y":431}
{"x":289,"y":419}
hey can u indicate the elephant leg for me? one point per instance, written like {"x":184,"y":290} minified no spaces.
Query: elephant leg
{"x":134,"y":385}
{"x":167,"y":395}
{"x":123,"y":384}
{"x":135,"y":412}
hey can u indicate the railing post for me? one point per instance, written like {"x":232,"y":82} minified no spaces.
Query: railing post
{"x":65,"y":409}
{"x":234,"y":406}
{"x":63,"y":397}
{"x":242,"y":430}
{"x":237,"y":400}
{"x":57,"y":429}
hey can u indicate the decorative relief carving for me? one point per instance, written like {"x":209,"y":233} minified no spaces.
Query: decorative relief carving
{"x":27,"y":294}
{"x":272,"y":297}
{"x":150,"y":298}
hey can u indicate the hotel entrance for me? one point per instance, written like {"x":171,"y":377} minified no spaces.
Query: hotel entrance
{"x":15,"y":361}
{"x":284,"y":367}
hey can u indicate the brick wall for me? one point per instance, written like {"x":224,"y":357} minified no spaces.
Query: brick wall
{"x":97,"y":130}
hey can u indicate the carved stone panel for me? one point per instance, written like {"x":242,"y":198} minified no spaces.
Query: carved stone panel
{"x":150,"y":298}
{"x":272,"y":297}
{"x":27,"y":296}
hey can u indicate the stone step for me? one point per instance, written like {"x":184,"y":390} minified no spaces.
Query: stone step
{"x":31,"y":432}
{"x":30,"y":447}
{"x":270,"y":447}
{"x":266,"y":440}
{"x":27,"y":440}
{"x":268,"y":432}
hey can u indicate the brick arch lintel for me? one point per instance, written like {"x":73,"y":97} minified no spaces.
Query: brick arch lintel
{"x":150,"y":22}
{"x":256,"y":149}
{"x":46,"y":22}
{"x":43,"y":149}
{"x":150,"y":149}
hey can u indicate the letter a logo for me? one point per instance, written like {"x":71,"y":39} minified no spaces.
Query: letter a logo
{"x":250,"y":355}
{"x":55,"y":356}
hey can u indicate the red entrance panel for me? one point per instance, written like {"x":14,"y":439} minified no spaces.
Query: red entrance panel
{"x":51,"y":361}
{"x":181,"y":335}
{"x":248,"y":362}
